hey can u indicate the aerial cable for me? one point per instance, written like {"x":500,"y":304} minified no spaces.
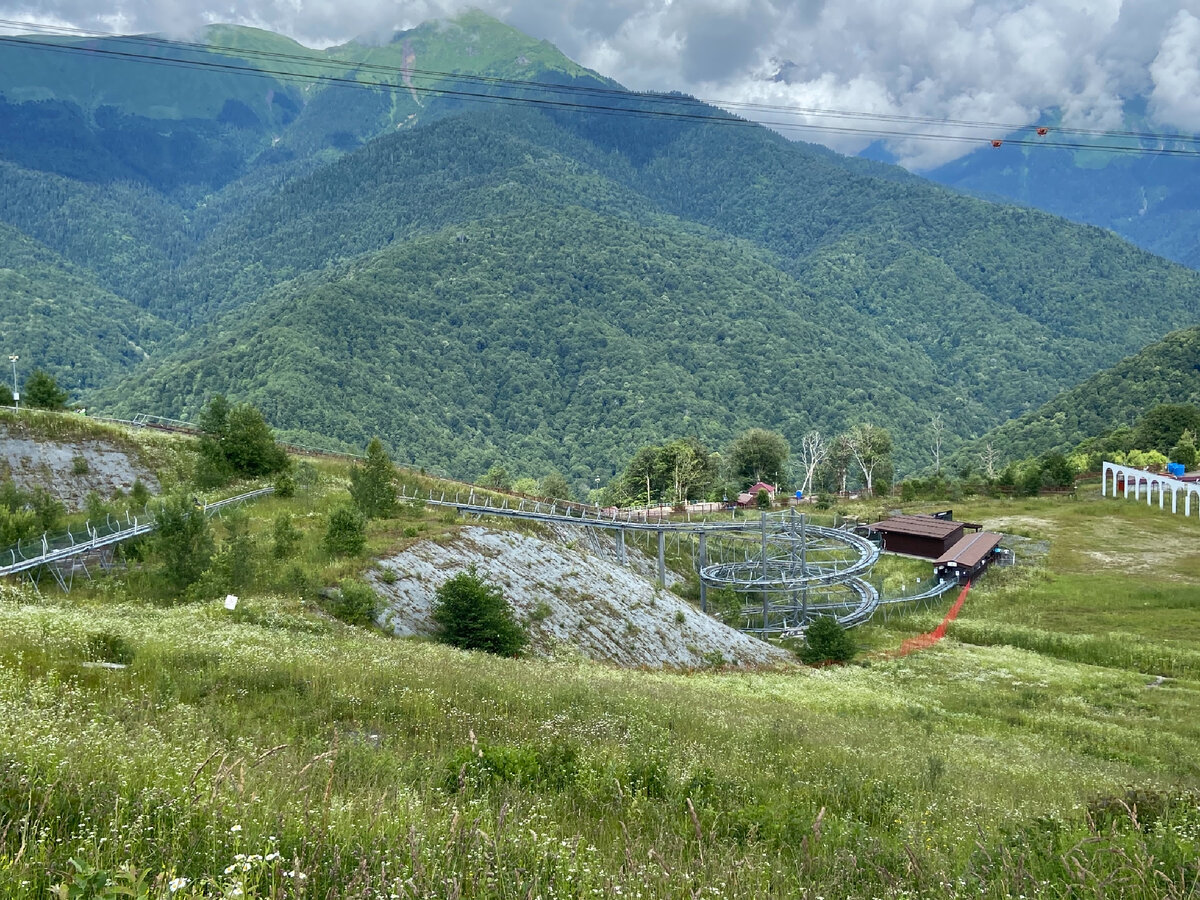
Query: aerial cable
{"x":362,"y":65}
{"x":707,"y":111}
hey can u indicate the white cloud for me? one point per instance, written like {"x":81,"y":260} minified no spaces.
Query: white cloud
{"x":1175,"y":72}
{"x":1001,"y":61}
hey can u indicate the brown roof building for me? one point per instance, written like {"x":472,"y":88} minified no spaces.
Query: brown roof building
{"x":925,"y":536}
{"x":969,"y":557}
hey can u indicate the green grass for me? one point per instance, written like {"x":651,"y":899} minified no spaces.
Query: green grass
{"x":1033,"y":752}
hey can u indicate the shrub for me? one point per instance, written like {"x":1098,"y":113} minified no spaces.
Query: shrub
{"x":42,"y":391}
{"x":354,"y":602}
{"x":346,"y":534}
{"x":372,"y":484}
{"x":139,"y":494}
{"x":79,"y":465}
{"x":285,"y":485}
{"x":473,"y":615}
{"x":762,"y":500}
{"x":827,"y":641}
{"x":183,"y":541}
{"x":104,"y":646}
{"x":285,"y":537}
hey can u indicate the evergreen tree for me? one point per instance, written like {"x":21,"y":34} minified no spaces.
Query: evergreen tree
{"x":372,"y":484}
{"x":346,"y":534}
{"x":41,"y":391}
{"x":473,"y":615}
{"x":826,"y":640}
{"x":235,"y":441}
{"x":183,"y":541}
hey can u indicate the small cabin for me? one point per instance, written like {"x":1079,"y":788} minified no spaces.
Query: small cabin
{"x":919,"y":535}
{"x":968,"y":558}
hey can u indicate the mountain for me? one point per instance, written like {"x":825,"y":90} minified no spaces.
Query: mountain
{"x":55,"y":317}
{"x":496,"y":274}
{"x":1150,"y":200}
{"x":1167,"y":371}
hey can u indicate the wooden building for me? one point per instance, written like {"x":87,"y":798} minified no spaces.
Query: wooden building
{"x":926,"y":536}
{"x":968,"y":557}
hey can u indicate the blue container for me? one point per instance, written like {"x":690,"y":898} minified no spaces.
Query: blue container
{"x":799,"y":495}
{"x":1175,"y":470}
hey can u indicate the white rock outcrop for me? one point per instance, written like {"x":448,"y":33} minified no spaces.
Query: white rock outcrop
{"x":571,"y":592}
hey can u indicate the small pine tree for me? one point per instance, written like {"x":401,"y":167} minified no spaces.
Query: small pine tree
{"x":42,"y":391}
{"x":825,"y":640}
{"x":372,"y":484}
{"x":183,"y":540}
{"x":763,"y":499}
{"x":473,"y":615}
{"x":346,"y":534}
{"x":285,"y":536}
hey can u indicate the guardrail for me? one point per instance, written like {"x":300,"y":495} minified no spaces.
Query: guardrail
{"x":48,"y":550}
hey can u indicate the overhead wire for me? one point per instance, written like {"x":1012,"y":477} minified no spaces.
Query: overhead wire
{"x":569,"y":97}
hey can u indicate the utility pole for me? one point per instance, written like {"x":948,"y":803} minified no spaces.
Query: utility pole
{"x":12,"y":357}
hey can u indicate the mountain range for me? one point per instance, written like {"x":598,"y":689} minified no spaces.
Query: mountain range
{"x":465,"y":243}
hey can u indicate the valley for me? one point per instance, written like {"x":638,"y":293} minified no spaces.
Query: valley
{"x":268,"y":308}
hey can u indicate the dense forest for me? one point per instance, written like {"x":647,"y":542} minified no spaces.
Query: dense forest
{"x":1152,"y":200}
{"x":1167,"y":371}
{"x":487,"y":283}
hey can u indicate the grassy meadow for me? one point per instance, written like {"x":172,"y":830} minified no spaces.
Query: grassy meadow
{"x":1050,"y":747}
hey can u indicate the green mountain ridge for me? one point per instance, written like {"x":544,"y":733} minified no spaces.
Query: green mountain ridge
{"x":861,"y":293}
{"x":1167,"y":371}
{"x":57,"y":318}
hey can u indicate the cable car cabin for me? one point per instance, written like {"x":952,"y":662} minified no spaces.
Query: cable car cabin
{"x":968,"y":558}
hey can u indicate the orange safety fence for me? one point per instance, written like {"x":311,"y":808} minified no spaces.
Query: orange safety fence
{"x":929,"y":638}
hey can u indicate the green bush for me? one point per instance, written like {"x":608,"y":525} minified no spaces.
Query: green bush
{"x":183,"y":541}
{"x":827,"y":641}
{"x":104,"y":646}
{"x":354,"y":602}
{"x":473,"y":615}
{"x":285,"y":485}
{"x":346,"y":534}
{"x":285,"y":537}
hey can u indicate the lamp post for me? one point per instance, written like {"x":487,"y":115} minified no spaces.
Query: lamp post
{"x":12,"y":358}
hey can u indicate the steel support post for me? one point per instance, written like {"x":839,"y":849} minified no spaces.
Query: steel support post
{"x":662,"y":557}
{"x":766,"y":594}
{"x":703,"y":563}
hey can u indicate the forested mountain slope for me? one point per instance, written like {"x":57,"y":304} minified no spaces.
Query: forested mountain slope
{"x":486,"y":281}
{"x":1151,"y":200}
{"x":62,"y":321}
{"x":1167,"y":371}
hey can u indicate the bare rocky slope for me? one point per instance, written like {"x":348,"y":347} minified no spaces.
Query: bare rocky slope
{"x":571,"y":591}
{"x":70,"y":469}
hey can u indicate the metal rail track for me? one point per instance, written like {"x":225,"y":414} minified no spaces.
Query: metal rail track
{"x":50,"y":551}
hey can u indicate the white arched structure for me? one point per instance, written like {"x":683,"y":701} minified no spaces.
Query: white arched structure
{"x":1137,"y":480}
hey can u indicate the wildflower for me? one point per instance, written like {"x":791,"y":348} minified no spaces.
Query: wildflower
{"x":177,"y":884}
{"x":235,"y":829}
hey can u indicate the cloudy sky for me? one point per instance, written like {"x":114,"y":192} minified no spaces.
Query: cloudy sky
{"x":992,"y":61}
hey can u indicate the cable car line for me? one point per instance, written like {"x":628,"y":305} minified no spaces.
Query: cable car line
{"x":712,"y":112}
